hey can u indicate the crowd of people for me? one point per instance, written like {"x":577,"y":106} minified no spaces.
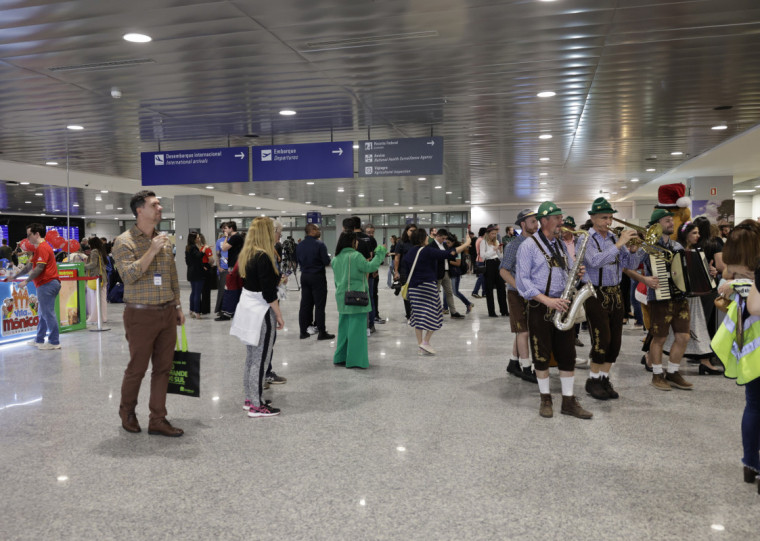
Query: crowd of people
{"x":692,"y":293}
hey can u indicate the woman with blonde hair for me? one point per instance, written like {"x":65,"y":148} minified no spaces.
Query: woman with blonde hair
{"x":96,"y":266}
{"x":258,"y":314}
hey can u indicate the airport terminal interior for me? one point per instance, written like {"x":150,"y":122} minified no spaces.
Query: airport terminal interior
{"x":442,"y":113}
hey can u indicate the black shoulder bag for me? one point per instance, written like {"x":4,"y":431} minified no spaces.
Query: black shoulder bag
{"x":355,"y":298}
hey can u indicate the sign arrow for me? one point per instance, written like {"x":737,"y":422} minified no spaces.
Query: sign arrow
{"x":432,"y":143}
{"x":339,"y":152}
{"x":241,"y":155}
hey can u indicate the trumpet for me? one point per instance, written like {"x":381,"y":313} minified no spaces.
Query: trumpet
{"x":652,"y":236}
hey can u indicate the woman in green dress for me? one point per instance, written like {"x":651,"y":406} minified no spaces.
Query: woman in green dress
{"x":350,"y":270}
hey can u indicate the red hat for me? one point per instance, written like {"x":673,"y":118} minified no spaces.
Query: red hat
{"x":672,"y":196}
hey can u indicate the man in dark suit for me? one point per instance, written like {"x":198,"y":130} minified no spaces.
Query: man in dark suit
{"x":311,"y":254}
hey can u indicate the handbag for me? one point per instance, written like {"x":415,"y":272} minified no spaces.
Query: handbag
{"x":355,"y":298}
{"x":405,"y":287}
{"x":185,"y":375}
{"x":479,"y":269}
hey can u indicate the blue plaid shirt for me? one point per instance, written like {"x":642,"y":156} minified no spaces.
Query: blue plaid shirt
{"x":609,"y":258}
{"x":533,"y":270}
{"x":509,"y":261}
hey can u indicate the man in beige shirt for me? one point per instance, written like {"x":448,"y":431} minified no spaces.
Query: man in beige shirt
{"x":144,"y":259}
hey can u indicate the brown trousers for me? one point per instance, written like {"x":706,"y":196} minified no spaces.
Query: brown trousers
{"x":604,"y":314}
{"x":152,"y":335}
{"x":546,"y":339}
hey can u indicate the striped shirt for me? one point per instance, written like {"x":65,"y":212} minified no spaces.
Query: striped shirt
{"x":140,"y":287}
{"x":609,"y":258}
{"x":533,"y":270}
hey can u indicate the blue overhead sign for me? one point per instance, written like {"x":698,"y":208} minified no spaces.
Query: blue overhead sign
{"x":304,"y":161}
{"x":401,"y":157}
{"x":200,"y":166}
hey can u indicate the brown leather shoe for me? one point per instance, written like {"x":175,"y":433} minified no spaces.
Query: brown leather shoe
{"x":677,"y":381}
{"x":570,"y":406}
{"x":545,"y":410}
{"x":659,"y":382}
{"x":164,"y":428}
{"x":129,"y":421}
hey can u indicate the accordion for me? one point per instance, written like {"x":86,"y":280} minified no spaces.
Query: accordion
{"x":688,"y":273}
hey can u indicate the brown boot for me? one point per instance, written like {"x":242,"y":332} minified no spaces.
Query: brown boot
{"x":659,"y":382}
{"x":164,"y":428}
{"x":129,"y":421}
{"x":545,"y":410}
{"x":677,"y":381}
{"x":570,"y":406}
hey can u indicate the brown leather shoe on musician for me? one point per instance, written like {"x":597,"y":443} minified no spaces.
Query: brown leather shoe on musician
{"x":570,"y":406}
{"x":545,"y":410}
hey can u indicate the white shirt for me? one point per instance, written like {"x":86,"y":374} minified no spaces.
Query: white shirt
{"x":487,"y":251}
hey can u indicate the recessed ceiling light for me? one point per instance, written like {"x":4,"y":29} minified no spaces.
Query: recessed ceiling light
{"x":51,"y":163}
{"x":438,"y":187}
{"x":310,"y":183}
{"x":395,"y":204}
{"x":115,"y":218}
{"x":280,"y":199}
{"x":676,"y":153}
{"x":103,"y":191}
{"x":209,"y":187}
{"x":307,"y":202}
{"x":43,"y":214}
{"x":287,"y":112}
{"x":38,"y":194}
{"x":719,"y":127}
{"x":251,"y":193}
{"x":411,"y":208}
{"x":97,"y":212}
{"x":743,"y":191}
{"x":356,"y":146}
{"x":545,"y":136}
{"x":543,"y":183}
{"x":137,"y":38}
{"x":240,"y":213}
{"x":75,"y":205}
{"x":98,"y":198}
{"x":544,"y":174}
{"x":421,"y":178}
{"x":258,"y":208}
{"x":348,"y":210}
{"x":117,"y":208}
{"x":546,"y":94}
{"x":449,"y":193}
{"x":634,"y":180}
{"x":467,"y":201}
{"x":613,"y":193}
{"x":379,"y":200}
{"x":24,"y":183}
{"x":74,"y":127}
{"x":229,"y":204}
{"x":361,"y":195}
{"x":651,"y":170}
{"x":341,"y":190}
{"x":28,"y":202}
{"x":329,"y":206}
{"x":543,"y":159}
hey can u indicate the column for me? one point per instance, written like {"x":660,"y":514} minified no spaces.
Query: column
{"x":192,"y":212}
{"x":712,"y":197}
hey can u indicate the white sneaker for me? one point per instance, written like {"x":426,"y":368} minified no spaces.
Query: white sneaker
{"x":33,"y":343}
{"x":48,"y":345}
{"x":427,"y":348}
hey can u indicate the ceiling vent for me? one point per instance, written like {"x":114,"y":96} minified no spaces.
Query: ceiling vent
{"x":98,"y":66}
{"x":365,"y":41}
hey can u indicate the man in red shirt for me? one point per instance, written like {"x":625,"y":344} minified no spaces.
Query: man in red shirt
{"x":45,"y":277}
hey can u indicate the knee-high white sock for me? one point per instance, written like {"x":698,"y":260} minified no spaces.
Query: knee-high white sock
{"x":543,"y":386}
{"x":567,"y":385}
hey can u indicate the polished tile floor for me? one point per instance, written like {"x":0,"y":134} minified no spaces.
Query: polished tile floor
{"x":444,"y":447}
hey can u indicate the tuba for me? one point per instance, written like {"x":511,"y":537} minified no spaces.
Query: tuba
{"x":577,"y":296}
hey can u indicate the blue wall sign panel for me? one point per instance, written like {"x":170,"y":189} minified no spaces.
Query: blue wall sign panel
{"x":200,"y":166}
{"x":314,"y":218}
{"x":304,"y":161}
{"x":4,"y":234}
{"x":73,"y":233}
{"x":401,"y":157}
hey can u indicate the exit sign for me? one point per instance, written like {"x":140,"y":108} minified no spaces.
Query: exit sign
{"x":713,"y":191}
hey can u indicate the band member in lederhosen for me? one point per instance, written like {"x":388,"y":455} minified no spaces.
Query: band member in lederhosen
{"x":666,"y":313}
{"x":606,"y":256}
{"x":520,"y":363}
{"x":542,"y":271}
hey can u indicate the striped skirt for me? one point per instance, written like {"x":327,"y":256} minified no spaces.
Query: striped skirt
{"x":427,"y":313}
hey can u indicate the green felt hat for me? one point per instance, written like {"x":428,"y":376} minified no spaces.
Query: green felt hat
{"x":601,"y":206}
{"x":548,"y":208}
{"x":569,"y":222}
{"x":658,"y":215}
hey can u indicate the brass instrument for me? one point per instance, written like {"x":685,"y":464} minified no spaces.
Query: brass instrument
{"x":652,"y":236}
{"x":572,"y":293}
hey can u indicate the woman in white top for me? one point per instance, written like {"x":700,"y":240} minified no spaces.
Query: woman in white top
{"x":490,"y":252}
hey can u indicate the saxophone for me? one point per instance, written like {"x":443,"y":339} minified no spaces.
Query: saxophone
{"x":565,"y":320}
